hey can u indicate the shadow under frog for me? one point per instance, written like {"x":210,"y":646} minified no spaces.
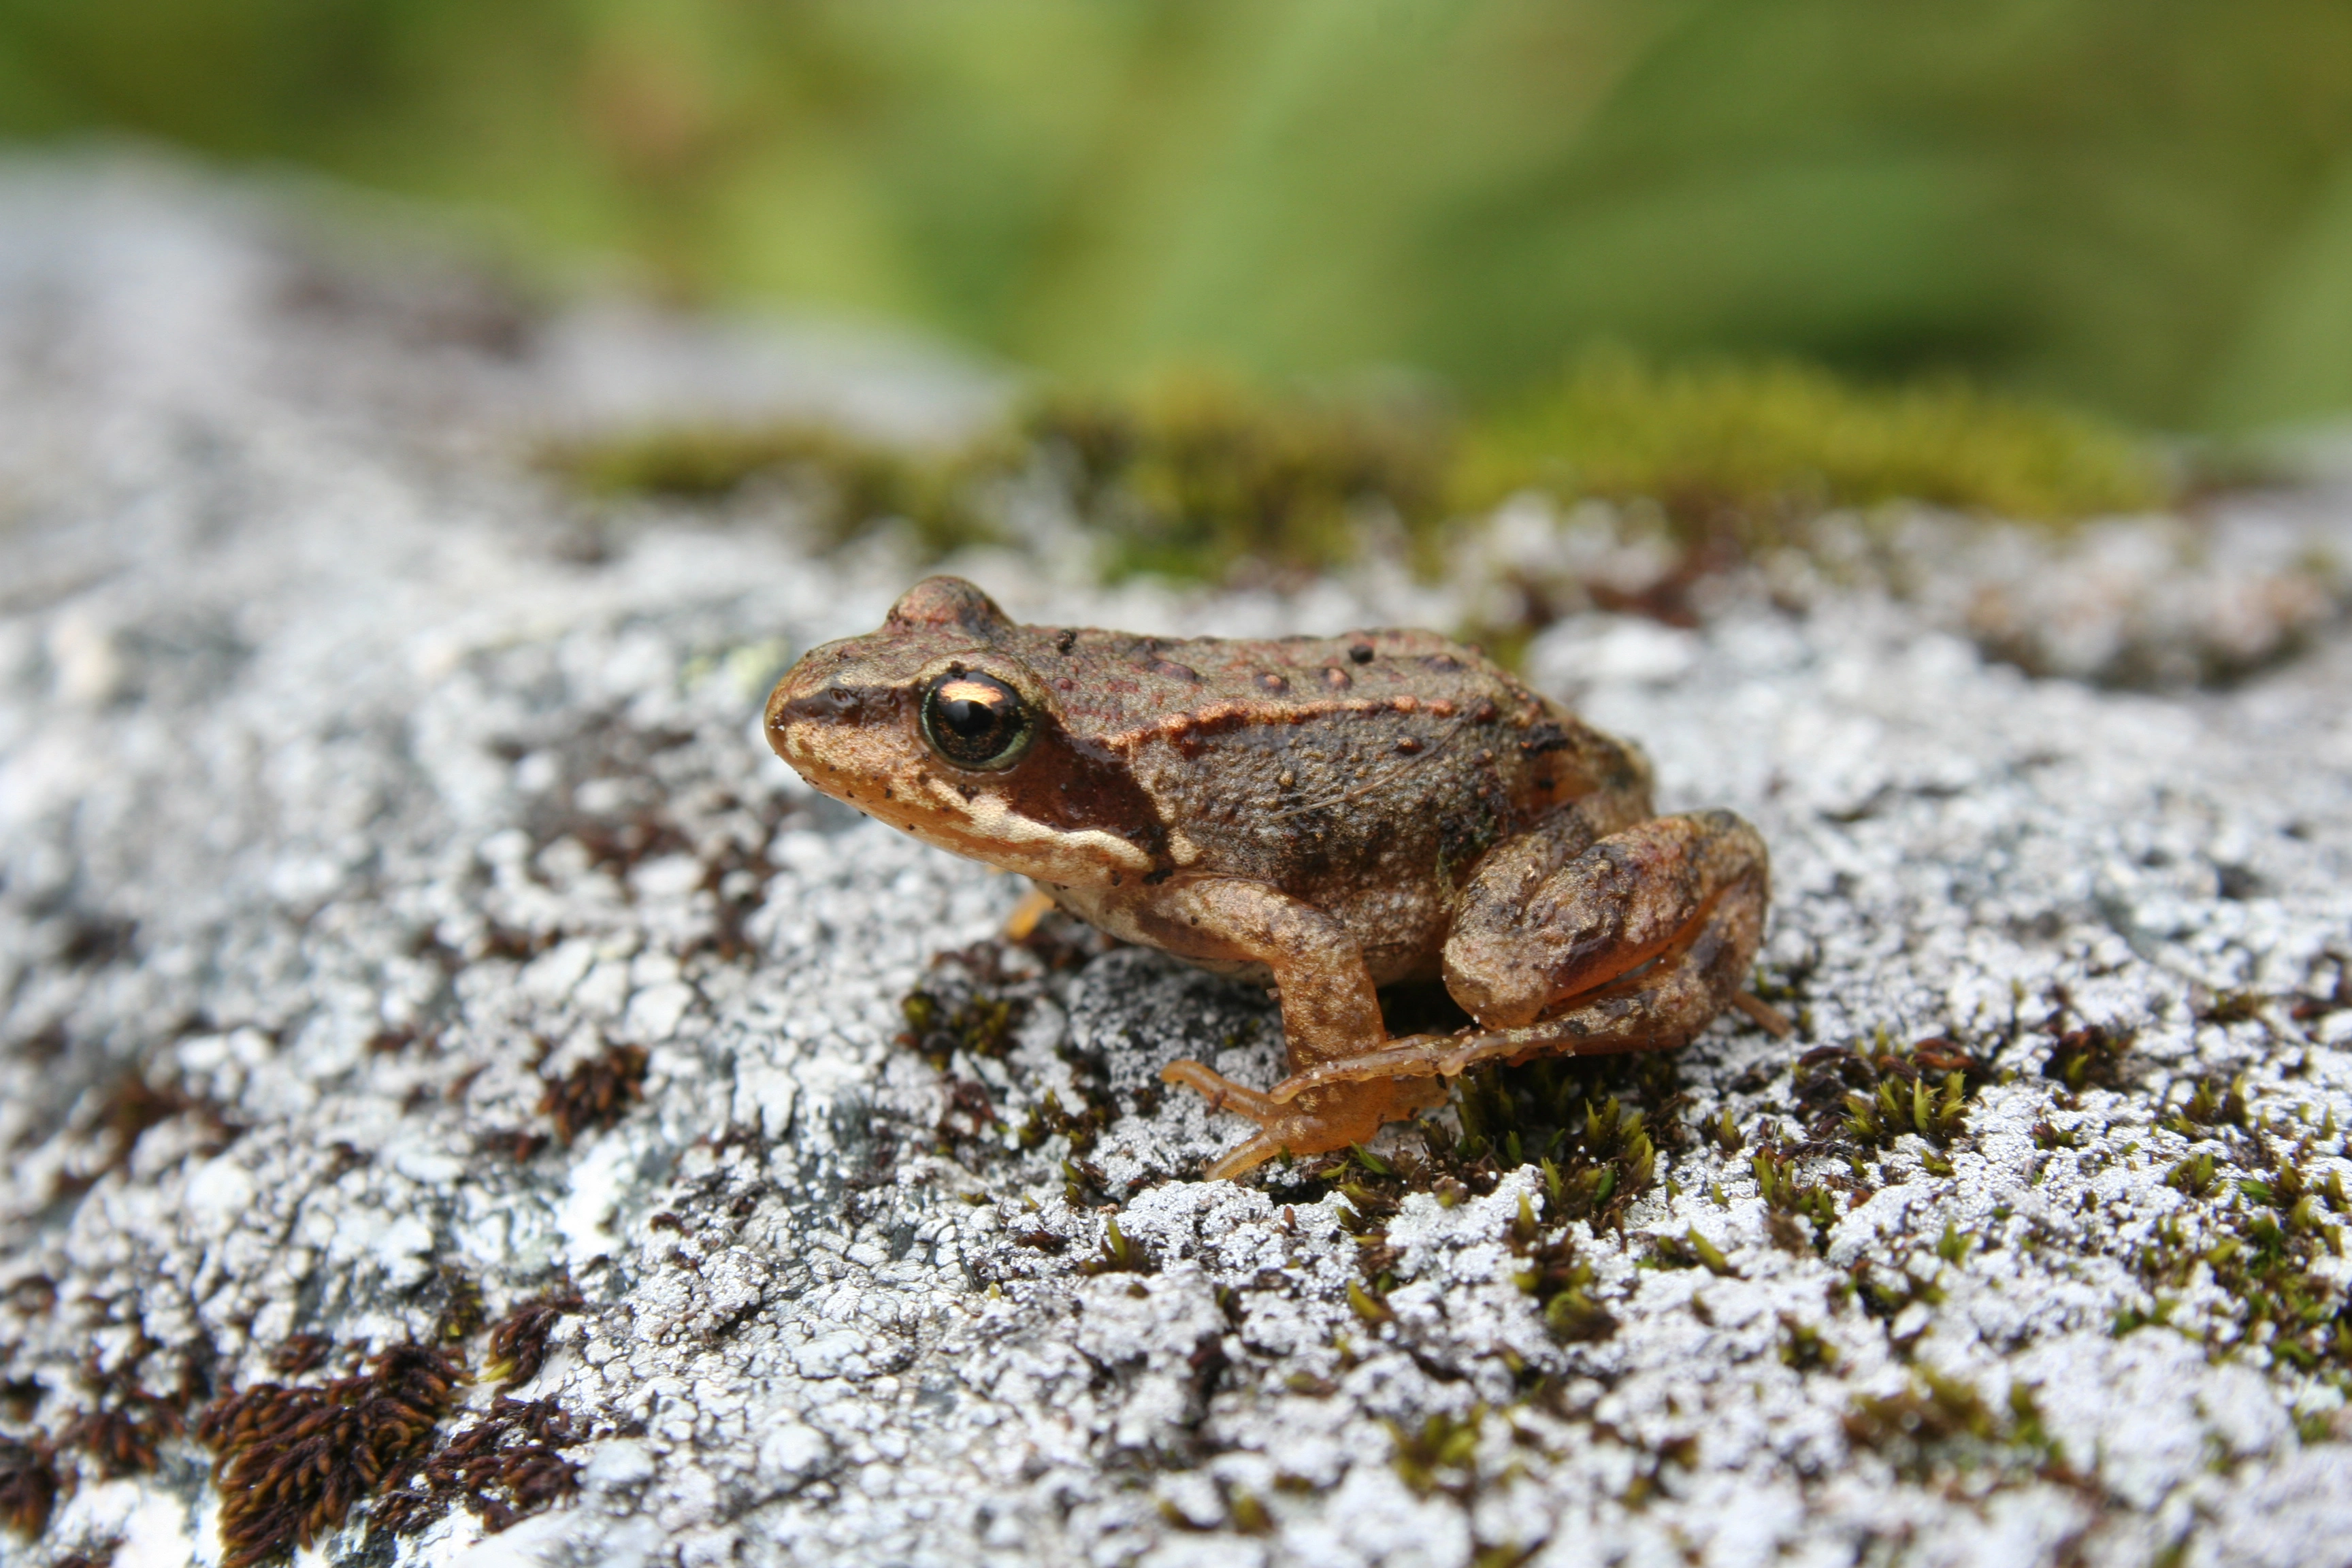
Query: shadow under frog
{"x":1324,"y":814}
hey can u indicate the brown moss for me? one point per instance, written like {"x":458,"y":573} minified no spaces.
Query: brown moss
{"x":518,"y":1340}
{"x":300,"y":1353}
{"x":122,"y":1442}
{"x":21,"y":1396}
{"x":132,"y":1108}
{"x":595,"y":1094}
{"x":291,"y":1462}
{"x":503,"y":1467}
{"x":28,"y":1486}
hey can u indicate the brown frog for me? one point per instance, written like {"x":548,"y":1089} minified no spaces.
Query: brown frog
{"x":1327,"y":814}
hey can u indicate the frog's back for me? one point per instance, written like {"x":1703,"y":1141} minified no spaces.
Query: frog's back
{"x":1388,"y":759}
{"x":1119,"y":690}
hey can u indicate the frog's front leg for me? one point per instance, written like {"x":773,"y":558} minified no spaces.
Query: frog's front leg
{"x":1565,"y":945}
{"x":1329,"y":1013}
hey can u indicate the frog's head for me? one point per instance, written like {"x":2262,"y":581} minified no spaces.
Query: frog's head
{"x":935,"y":724}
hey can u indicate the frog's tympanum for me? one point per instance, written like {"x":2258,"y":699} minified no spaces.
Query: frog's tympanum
{"x":1327,"y":815}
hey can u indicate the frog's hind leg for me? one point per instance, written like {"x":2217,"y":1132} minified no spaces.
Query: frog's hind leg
{"x":1633,"y":943}
{"x":1330,"y":1011}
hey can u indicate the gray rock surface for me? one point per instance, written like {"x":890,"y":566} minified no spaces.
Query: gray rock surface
{"x":361,"y":806}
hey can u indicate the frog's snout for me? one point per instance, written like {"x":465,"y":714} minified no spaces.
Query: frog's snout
{"x":804,"y":704}
{"x":826,"y":723}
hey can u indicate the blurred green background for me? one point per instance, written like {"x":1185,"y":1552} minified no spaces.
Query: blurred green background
{"x":2141,"y":207}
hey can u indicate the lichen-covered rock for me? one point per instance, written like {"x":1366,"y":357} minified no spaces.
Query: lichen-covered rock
{"x":412,"y":963}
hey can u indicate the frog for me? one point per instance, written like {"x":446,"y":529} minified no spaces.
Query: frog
{"x":1326,"y":816}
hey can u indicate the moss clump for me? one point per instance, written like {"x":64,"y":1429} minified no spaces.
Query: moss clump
{"x":1873,"y":1093}
{"x":504,"y":1466}
{"x":970,"y":1007}
{"x":122,"y":1442}
{"x":1198,"y":477}
{"x":290,"y":1462}
{"x":518,"y":1340}
{"x":1800,"y":1212}
{"x":978,"y":1024}
{"x":1119,"y":1254}
{"x":2210,"y":1105}
{"x":2091,"y":1057}
{"x":1190,"y":477}
{"x":1560,"y":1281}
{"x":1439,"y":1455}
{"x":1569,"y":1119}
{"x":1205,"y":478}
{"x":2266,"y":1236}
{"x":1691,"y":1249}
{"x":1803,"y":1348}
{"x":28,"y":1486}
{"x":1940,"y":1425}
{"x":462,"y":1315}
{"x":597,"y":1093}
{"x":1748,"y":448}
{"x":847,"y":483}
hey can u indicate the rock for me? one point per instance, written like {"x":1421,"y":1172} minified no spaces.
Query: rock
{"x":407,"y":941}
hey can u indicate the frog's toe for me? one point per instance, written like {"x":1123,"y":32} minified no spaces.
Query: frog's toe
{"x":1221,"y":1092}
{"x":1244,"y":1157}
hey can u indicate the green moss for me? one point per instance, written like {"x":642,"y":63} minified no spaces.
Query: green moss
{"x":1196,"y":476}
{"x":1119,"y":1254}
{"x":848,"y":483}
{"x":1792,"y":1201}
{"x":1873,"y":1093}
{"x":1940,"y":1425}
{"x":1192,"y":477}
{"x":1803,"y":1348}
{"x":2261,"y":1234}
{"x":2093,"y":1054}
{"x":1207,"y":478}
{"x":1747,"y":449}
{"x":980,"y":1024}
{"x":1440,"y":1455}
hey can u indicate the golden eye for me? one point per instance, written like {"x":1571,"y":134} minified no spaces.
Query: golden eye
{"x":976,"y":720}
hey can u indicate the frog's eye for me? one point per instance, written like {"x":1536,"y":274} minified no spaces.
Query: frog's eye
{"x":976,"y":722}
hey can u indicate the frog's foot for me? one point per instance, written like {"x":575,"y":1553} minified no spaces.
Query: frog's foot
{"x":1331,"y":1117}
